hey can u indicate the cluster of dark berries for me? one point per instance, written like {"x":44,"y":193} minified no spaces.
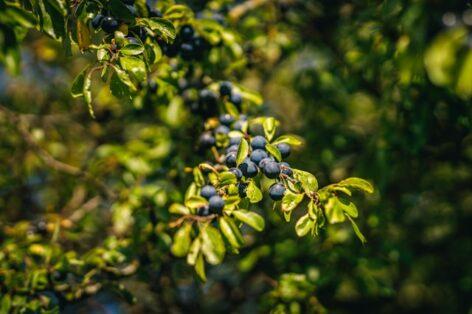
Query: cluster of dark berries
{"x":259,"y":159}
{"x":205,"y":102}
{"x":215,"y":201}
{"x":187,"y":44}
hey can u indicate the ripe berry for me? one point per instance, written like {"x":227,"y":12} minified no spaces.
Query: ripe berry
{"x":207,"y":140}
{"x":258,"y":142}
{"x":216,"y":204}
{"x":285,"y":169}
{"x":232,"y":149}
{"x":238,"y":125}
{"x":226,"y":119}
{"x":186,"y":51}
{"x":264,"y":161}
{"x":272,"y":169}
{"x":230,"y":159}
{"x":277,"y":191}
{"x":97,"y":20}
{"x":235,"y":140}
{"x":152,"y":86}
{"x":284,"y":149}
{"x":203,"y":211}
{"x":237,"y":172}
{"x":222,"y":129}
{"x":208,"y":191}
{"x":242,"y":187}
{"x":186,"y":33}
{"x":257,"y":155}
{"x":249,"y":168}
{"x":225,"y":89}
{"x":109,"y":24}
{"x":207,"y":97}
{"x":236,"y":99}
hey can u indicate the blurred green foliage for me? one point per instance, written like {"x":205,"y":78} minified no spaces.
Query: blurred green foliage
{"x":378,"y":89}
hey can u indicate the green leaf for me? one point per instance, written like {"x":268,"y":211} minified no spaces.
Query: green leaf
{"x":213,"y":246}
{"x":181,"y":244}
{"x":308,"y":181}
{"x":178,"y":209}
{"x":334,"y":211}
{"x":357,"y":231}
{"x":231,"y":232}
{"x":132,"y":49}
{"x":200,"y":267}
{"x":121,"y":11}
{"x":292,"y":140}
{"x":198,"y":177}
{"x":194,"y":251}
{"x":195,"y":201}
{"x":243,"y":151}
{"x":290,"y":201}
{"x":250,"y":218}
{"x":274,"y":151}
{"x":134,"y":66}
{"x":253,"y":193}
{"x":87,"y":92}
{"x":162,"y":27}
{"x":304,"y":225}
{"x":357,"y":183}
{"x":270,"y":126}
{"x":226,"y":178}
{"x":77,"y":88}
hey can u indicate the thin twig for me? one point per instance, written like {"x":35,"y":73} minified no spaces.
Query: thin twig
{"x":48,"y":159}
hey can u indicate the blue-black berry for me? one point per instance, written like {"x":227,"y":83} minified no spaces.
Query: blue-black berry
{"x":226,"y":119}
{"x":242,"y":187}
{"x":216,"y":204}
{"x":109,"y":24}
{"x":285,"y":169}
{"x":208,"y":191}
{"x":97,"y":21}
{"x":237,"y":172}
{"x":230,"y":159}
{"x":236,"y":99}
{"x":277,"y":191}
{"x":264,"y":161}
{"x":272,"y":169}
{"x":235,"y":140}
{"x":284,"y":149}
{"x":258,"y":142}
{"x":186,"y":33}
{"x":249,"y":169}
{"x":207,"y":140}
{"x":257,"y":155}
{"x":226,"y":88}
{"x":203,"y":211}
{"x":232,"y":149}
{"x":222,"y":129}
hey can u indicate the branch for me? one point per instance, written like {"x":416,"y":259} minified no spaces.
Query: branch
{"x":48,"y":159}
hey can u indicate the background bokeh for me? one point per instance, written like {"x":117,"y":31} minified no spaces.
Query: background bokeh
{"x":379,"y":89}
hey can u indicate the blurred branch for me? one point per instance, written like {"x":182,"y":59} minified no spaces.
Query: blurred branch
{"x":22,"y":127}
{"x":238,"y":11}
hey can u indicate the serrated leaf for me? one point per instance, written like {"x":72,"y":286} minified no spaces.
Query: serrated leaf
{"x":274,"y":151}
{"x":162,"y":27}
{"x":231,"y":232}
{"x":226,"y":178}
{"x":357,"y":231}
{"x":307,"y":180}
{"x":253,"y":192}
{"x":213,"y":246}
{"x":270,"y":126}
{"x":195,"y":201}
{"x":132,"y":50}
{"x":304,"y":225}
{"x":290,"y":201}
{"x":357,"y":183}
{"x":181,"y":243}
{"x":292,"y":140}
{"x":250,"y":218}
{"x":77,"y":88}
{"x":134,"y":66}
{"x":243,"y":151}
